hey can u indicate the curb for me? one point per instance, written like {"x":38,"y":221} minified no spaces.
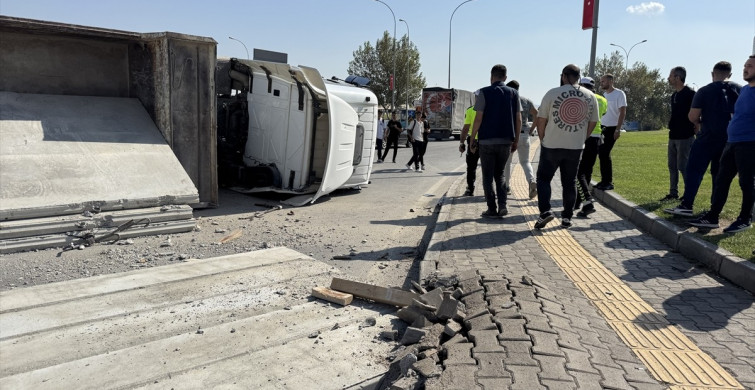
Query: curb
{"x":735,"y":269}
{"x":429,"y":261}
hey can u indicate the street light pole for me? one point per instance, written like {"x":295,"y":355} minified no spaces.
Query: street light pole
{"x":407,"y":69}
{"x":242,"y":43}
{"x":393,"y":76}
{"x":449,"y":40}
{"x":626,"y":53}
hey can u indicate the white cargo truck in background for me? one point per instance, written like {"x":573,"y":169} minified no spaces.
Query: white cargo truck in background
{"x":445,"y":109}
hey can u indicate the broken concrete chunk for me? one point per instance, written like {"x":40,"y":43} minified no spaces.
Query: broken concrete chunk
{"x":391,"y":296}
{"x":452,"y":328}
{"x":368,"y":322}
{"x":456,"y":339}
{"x":448,"y":308}
{"x":389,"y":335}
{"x":421,"y":322}
{"x":409,"y":314}
{"x":329,"y":295}
{"x":428,"y":353}
{"x":432,"y":337}
{"x":427,"y":368}
{"x":433,"y":298}
{"x":428,"y":308}
{"x":418,"y":287}
{"x":407,"y":362}
{"x":458,"y":293}
{"x":405,"y":383}
{"x":412,"y":335}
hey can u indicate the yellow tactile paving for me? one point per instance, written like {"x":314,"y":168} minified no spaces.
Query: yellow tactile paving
{"x":669,"y":355}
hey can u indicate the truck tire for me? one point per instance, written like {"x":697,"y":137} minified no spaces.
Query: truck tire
{"x":457,"y":136}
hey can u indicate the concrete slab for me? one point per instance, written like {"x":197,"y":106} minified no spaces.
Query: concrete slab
{"x":65,"y":154}
{"x":207,"y":323}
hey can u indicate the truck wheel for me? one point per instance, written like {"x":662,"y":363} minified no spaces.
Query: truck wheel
{"x":457,"y":136}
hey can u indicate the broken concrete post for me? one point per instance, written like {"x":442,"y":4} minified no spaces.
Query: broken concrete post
{"x":412,"y":336}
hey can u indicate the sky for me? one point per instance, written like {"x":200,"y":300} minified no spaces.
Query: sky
{"x":535,"y":39}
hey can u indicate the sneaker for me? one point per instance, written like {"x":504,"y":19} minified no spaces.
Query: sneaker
{"x":544,"y":219}
{"x":566,"y":223}
{"x":508,"y":190}
{"x":680,"y":210}
{"x":379,"y":161}
{"x":587,"y":209}
{"x":502,"y":211}
{"x":738,"y":226}
{"x":423,"y":167}
{"x":489,"y":214}
{"x":533,"y":190}
{"x":419,"y":169}
{"x":668,"y":198}
{"x":704,"y":222}
{"x":604,"y":186}
{"x":409,"y":167}
{"x":468,"y":192}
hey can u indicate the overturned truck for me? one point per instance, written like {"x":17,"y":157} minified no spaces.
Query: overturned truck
{"x":284,"y":129}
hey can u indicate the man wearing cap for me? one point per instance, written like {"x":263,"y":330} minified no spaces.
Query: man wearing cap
{"x":566,"y":117}
{"x":589,"y":155}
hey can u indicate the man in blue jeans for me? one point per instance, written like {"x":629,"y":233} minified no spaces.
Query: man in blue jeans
{"x":565,"y":118}
{"x":495,"y":132}
{"x":711,"y":112}
{"x":738,"y":157}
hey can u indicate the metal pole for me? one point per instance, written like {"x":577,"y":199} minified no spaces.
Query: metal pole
{"x":247,"y":50}
{"x":407,"y":68}
{"x":449,"y":40}
{"x":626,"y":53}
{"x":593,"y":49}
{"x":393,"y":75}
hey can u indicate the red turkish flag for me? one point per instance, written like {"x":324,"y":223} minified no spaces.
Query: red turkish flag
{"x":587,"y":12}
{"x":391,"y":82}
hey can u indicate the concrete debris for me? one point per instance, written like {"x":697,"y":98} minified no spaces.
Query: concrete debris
{"x":390,"y":335}
{"x":314,"y":334}
{"x":329,"y":295}
{"x":418,"y":287}
{"x":427,"y":368}
{"x":412,"y":336}
{"x":406,"y":363}
{"x":368,"y":322}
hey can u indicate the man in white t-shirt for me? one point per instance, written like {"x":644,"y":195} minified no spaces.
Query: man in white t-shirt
{"x":611,"y":125}
{"x":565,"y":119}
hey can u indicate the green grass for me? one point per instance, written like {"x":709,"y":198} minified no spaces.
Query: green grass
{"x":641,"y":176}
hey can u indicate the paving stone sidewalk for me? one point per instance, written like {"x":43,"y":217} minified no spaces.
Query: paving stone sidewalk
{"x":573,"y":338}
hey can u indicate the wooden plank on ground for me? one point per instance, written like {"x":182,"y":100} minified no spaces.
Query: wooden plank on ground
{"x":334,"y":296}
{"x":391,"y":296}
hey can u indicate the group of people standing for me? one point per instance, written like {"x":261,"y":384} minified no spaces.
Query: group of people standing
{"x":565,"y":121}
{"x":417,"y":129}
{"x":714,"y":126}
{"x":576,"y":127}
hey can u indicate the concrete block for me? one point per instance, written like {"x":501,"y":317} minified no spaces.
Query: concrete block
{"x":389,"y":335}
{"x":432,"y":337}
{"x":457,"y":377}
{"x":456,"y":339}
{"x":452,"y":328}
{"x":433,"y":298}
{"x":407,"y":362}
{"x":512,"y":329}
{"x":667,"y":232}
{"x":409,"y":314}
{"x":623,"y":207}
{"x":525,"y":377}
{"x":427,"y":368}
{"x":405,"y":383}
{"x":431,"y":353}
{"x":491,"y":365}
{"x":494,"y":383}
{"x":484,"y":322}
{"x":448,"y":308}
{"x":485,"y":341}
{"x":457,"y":293}
{"x":412,"y":336}
{"x":740,"y":271}
{"x":477,"y":313}
{"x":496,"y":288}
{"x":642,"y":218}
{"x":421,"y":322}
{"x":545,"y":344}
{"x":460,"y":353}
{"x":697,"y":249}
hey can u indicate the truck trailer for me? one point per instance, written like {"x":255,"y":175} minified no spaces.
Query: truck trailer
{"x":445,"y":109}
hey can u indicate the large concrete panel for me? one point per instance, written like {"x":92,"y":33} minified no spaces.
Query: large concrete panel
{"x":238,"y":321}
{"x":65,"y":154}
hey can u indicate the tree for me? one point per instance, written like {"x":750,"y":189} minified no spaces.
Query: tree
{"x":647,"y":91}
{"x":376,"y":63}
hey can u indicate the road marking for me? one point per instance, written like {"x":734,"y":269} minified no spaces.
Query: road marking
{"x":670,"y":356}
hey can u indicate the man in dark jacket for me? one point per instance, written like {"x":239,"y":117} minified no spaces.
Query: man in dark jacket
{"x":495,"y":132}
